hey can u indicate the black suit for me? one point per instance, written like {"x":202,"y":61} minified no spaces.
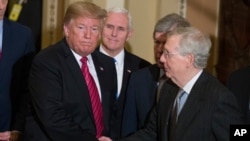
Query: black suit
{"x":206,"y":115}
{"x":239,"y":84}
{"x":140,"y":98}
{"x":17,"y":45}
{"x":131,"y":64}
{"x":60,"y":95}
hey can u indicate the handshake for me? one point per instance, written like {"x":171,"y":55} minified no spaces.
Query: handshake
{"x":103,"y":138}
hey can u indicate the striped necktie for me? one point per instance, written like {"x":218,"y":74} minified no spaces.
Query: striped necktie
{"x":177,"y":107}
{"x":94,"y":98}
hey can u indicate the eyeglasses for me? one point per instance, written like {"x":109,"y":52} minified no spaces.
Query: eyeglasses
{"x":167,"y":54}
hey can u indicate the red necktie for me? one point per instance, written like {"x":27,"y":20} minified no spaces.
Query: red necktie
{"x":94,"y":97}
{"x":0,"y":54}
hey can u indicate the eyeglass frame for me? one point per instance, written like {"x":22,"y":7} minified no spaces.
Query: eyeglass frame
{"x":167,"y":54}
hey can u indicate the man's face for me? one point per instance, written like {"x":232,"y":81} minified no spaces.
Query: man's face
{"x":82,"y":34}
{"x":159,"y":41}
{"x":3,"y":5}
{"x":116,"y":31}
{"x":175,"y":65}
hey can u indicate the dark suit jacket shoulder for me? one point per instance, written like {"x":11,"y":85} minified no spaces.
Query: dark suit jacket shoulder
{"x":140,"y":98}
{"x":239,"y":84}
{"x":138,"y":62}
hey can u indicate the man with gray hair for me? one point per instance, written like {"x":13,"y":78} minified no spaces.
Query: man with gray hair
{"x":116,"y":31}
{"x":145,"y":84}
{"x":196,"y":106}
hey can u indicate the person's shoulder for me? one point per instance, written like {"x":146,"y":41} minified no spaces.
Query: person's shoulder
{"x":150,"y":71}
{"x":147,"y":69}
{"x":133,"y":56}
{"x":102,"y":57}
{"x":241,"y":72}
{"x":16,"y":26}
{"x":240,"y":76}
{"x":136,"y":58}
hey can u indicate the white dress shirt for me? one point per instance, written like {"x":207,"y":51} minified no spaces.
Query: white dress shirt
{"x":92,"y":70}
{"x":119,"y":64}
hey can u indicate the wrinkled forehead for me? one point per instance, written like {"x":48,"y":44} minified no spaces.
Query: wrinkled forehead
{"x":172,"y":42}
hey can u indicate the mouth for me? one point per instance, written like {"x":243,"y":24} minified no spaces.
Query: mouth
{"x":165,"y":69}
{"x":112,"y":39}
{"x":86,"y":44}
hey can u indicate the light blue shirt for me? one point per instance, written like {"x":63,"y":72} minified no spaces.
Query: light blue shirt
{"x":1,"y":34}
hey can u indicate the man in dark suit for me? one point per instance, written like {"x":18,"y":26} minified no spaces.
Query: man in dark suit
{"x":60,"y":91}
{"x":143,"y":85}
{"x":239,"y":84}
{"x":196,"y":106}
{"x":116,"y":31}
{"x":16,"y":46}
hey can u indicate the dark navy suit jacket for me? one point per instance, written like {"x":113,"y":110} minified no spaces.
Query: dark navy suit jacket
{"x":140,"y":98}
{"x":239,"y":84}
{"x":17,"y":44}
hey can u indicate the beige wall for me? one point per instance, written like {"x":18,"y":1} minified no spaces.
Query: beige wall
{"x":202,"y":14}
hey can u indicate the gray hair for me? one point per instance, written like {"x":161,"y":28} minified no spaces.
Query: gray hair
{"x":170,"y":22}
{"x":194,"y":42}
{"x":123,"y":11}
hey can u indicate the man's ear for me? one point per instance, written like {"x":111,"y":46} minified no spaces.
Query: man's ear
{"x":190,"y":60}
{"x":129,"y":34}
{"x":65,"y":30}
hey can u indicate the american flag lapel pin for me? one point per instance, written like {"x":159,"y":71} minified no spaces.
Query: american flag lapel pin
{"x":101,"y":68}
{"x":129,"y":71}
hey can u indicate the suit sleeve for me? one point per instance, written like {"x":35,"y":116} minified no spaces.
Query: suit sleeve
{"x":19,"y":85}
{"x":46,"y":90}
{"x":149,"y":133}
{"x":129,"y":122}
{"x":227,"y":113}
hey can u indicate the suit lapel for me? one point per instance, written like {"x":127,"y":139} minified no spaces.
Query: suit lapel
{"x":71,"y":62}
{"x":168,"y":95}
{"x":127,"y":70}
{"x":191,"y":107}
{"x":155,"y":72}
{"x":6,"y":48}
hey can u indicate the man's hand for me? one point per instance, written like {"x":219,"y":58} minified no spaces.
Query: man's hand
{"x":15,"y":135}
{"x":5,"y":136}
{"x":103,"y":138}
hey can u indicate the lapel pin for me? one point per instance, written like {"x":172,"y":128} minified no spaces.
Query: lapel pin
{"x":101,"y":68}
{"x":129,"y":71}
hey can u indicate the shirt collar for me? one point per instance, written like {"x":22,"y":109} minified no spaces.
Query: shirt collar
{"x":1,"y":25}
{"x":78,"y":58}
{"x":187,"y":88}
{"x":119,"y":57}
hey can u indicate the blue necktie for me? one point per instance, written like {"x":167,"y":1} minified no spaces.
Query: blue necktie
{"x":181,"y":99}
{"x":177,"y":107}
{"x":117,"y":94}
